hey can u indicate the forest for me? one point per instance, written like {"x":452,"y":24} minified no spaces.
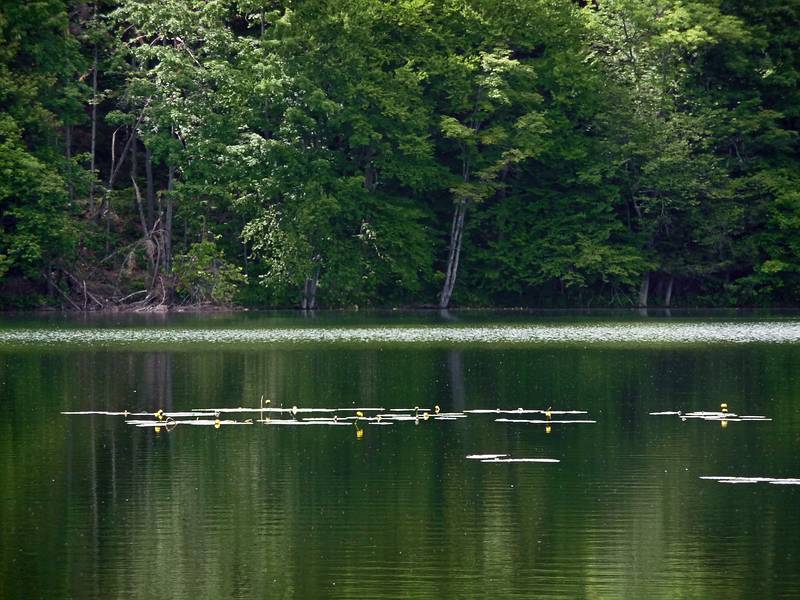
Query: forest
{"x":399,"y":153}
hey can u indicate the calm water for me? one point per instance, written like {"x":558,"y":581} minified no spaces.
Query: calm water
{"x":93,"y":508}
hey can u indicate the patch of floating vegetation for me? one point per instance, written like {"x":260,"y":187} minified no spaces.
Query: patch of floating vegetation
{"x":545,"y":421}
{"x":738,"y":480}
{"x":524,"y":411}
{"x":638,"y":333}
{"x":521,"y":460}
{"x":169,"y":422}
{"x":295,"y":422}
{"x":296,"y":416}
{"x":125,"y":413}
{"x":505,"y":458}
{"x":722,"y":415}
{"x":485,"y":456}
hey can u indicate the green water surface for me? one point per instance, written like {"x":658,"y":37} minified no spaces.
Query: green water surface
{"x":93,"y":508}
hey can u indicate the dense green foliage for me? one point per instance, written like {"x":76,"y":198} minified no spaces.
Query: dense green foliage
{"x":204,"y":275}
{"x":384,"y":152}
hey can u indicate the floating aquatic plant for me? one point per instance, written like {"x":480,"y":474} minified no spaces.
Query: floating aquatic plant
{"x":194,"y":422}
{"x":738,"y":480}
{"x":721,"y":415}
{"x":505,"y":458}
{"x":524,"y":411}
{"x":520,"y":460}
{"x":484,"y":456}
{"x":545,"y":421}
{"x":340,"y":416}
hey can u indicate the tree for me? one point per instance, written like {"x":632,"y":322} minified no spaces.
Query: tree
{"x":668,"y":170}
{"x":39,"y":68}
{"x":748,"y":86}
{"x":552,"y":234}
{"x":496,"y":127}
{"x":344,"y":139}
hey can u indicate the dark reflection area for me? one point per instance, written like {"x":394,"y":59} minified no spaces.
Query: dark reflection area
{"x":455,"y":368}
{"x":94,"y":508}
{"x":156,"y":381}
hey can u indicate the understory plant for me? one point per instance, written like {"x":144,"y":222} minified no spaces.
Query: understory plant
{"x":203,"y":276}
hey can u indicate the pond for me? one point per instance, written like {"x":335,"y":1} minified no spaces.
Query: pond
{"x":94,"y":507}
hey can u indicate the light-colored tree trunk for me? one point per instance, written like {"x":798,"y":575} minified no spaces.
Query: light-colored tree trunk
{"x":150,"y":188}
{"x":116,"y":165}
{"x":456,"y":236}
{"x":93,"y":149}
{"x":644,"y":290}
{"x":165,"y":242}
{"x":134,"y":157}
{"x":151,"y":244}
{"x":142,"y":220}
{"x":168,"y":221}
{"x":308,"y":301}
{"x":668,"y":291}
{"x":138,"y":195}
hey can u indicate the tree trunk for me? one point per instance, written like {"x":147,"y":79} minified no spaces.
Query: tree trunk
{"x":138,"y":197}
{"x":68,"y":145}
{"x":116,"y":166}
{"x":94,"y":126}
{"x":308,"y":301}
{"x":644,"y":290}
{"x":309,"y":297}
{"x":150,"y":189}
{"x":312,"y":301}
{"x":167,"y":238}
{"x":134,"y":159}
{"x":168,"y":222}
{"x":50,"y":285}
{"x":456,"y":235}
{"x":151,"y":245}
{"x":668,"y":292}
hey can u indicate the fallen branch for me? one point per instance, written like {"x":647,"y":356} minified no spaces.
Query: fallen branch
{"x":86,"y":292}
{"x":64,"y":295}
{"x":121,"y":300}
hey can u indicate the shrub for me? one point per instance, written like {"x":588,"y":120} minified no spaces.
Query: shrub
{"x":202,"y":275}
